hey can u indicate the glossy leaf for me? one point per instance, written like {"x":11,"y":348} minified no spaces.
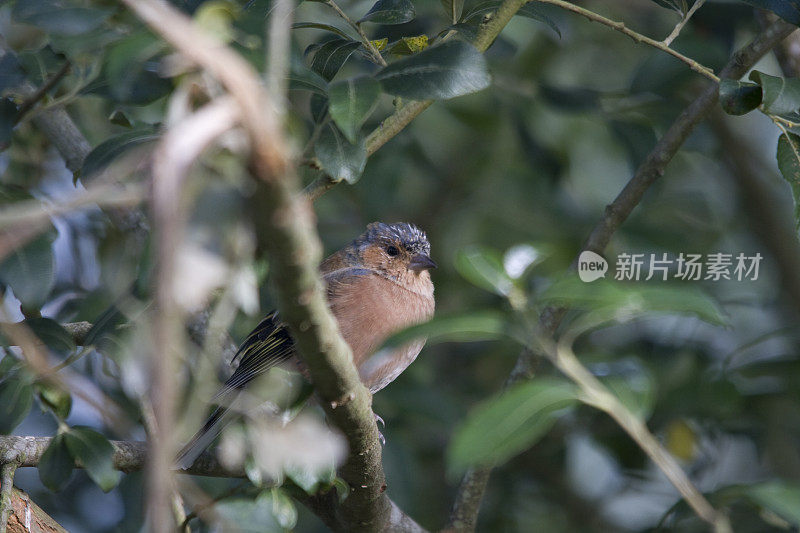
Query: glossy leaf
{"x":95,"y":453}
{"x":302,"y":78}
{"x":789,"y":164}
{"x":351,"y":103}
{"x":390,"y":12}
{"x":462,"y":327}
{"x":55,"y":466}
{"x":739,"y":97}
{"x":330,"y":57}
{"x":788,"y":10}
{"x":781,"y":96}
{"x":320,"y":26}
{"x":106,"y":152}
{"x":451,"y":69}
{"x":509,"y":424}
{"x":340,"y":158}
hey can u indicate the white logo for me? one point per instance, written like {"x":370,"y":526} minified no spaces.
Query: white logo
{"x":591,"y":266}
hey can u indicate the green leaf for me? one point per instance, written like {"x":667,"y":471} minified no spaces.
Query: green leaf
{"x":53,"y":17}
{"x":239,"y":515}
{"x":506,"y":425}
{"x":453,"y":8}
{"x":8,"y":119}
{"x":131,"y":72}
{"x":338,"y":157}
{"x":319,"y":107}
{"x":301,"y":78}
{"x":320,"y":26}
{"x":483,"y":267}
{"x":409,"y":45}
{"x":54,"y":398}
{"x":529,"y":10}
{"x":780,"y":497}
{"x":739,"y":97}
{"x":283,"y":508}
{"x":632,"y":384}
{"x":95,"y":454}
{"x":461,"y":327}
{"x":611,"y":300}
{"x":789,"y":164}
{"x":30,"y":270}
{"x":676,"y":5}
{"x":11,"y":72}
{"x":56,"y":464}
{"x":390,"y":12}
{"x":16,"y":399}
{"x":788,"y":10}
{"x":351,"y":103}
{"x":781,"y":96}
{"x":330,"y":57}
{"x":51,"y":333}
{"x":107,"y":151}
{"x":450,"y":69}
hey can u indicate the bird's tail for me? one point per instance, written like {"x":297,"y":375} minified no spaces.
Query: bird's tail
{"x":204,"y":437}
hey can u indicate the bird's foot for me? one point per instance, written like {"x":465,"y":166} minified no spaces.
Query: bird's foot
{"x":379,"y":421}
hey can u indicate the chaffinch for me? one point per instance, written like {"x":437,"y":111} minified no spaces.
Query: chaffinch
{"x":377,"y":285}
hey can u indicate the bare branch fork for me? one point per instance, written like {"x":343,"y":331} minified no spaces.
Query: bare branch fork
{"x":465,"y":509}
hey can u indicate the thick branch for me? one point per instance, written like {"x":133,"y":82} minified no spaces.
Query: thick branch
{"x":467,"y":504}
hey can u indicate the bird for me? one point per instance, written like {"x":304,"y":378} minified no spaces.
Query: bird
{"x":377,"y":285}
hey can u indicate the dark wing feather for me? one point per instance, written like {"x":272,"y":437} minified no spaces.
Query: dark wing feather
{"x":268,"y":345}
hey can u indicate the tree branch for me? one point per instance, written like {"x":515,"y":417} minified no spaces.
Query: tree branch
{"x":465,"y":509}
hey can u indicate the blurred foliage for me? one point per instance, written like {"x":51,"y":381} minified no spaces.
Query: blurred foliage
{"x":507,"y":181}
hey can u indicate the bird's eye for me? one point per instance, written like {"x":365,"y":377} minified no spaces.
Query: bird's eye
{"x":392,"y":251}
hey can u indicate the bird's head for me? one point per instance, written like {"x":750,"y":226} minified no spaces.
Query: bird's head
{"x":399,"y":251}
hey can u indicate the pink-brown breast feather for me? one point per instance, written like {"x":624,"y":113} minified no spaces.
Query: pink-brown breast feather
{"x":369,"y":309}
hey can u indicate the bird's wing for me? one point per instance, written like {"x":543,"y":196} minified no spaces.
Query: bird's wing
{"x":268,"y":345}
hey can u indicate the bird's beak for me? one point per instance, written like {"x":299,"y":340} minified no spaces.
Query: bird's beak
{"x":421,"y":262}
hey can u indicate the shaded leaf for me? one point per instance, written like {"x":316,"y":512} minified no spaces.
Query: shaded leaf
{"x":612,"y":300}
{"x":529,"y":10}
{"x":506,"y":425}
{"x":390,"y":12}
{"x":781,"y":96}
{"x":788,"y":10}
{"x":54,"y":398}
{"x":51,"y":333}
{"x":131,"y":70}
{"x":54,"y":17}
{"x":106,"y":152}
{"x":739,"y":97}
{"x":30,"y":270}
{"x":16,"y":399}
{"x":11,"y":73}
{"x":330,"y":57}
{"x":320,"y":26}
{"x":341,"y":159}
{"x":788,"y":156}
{"x":240,"y":515}
{"x":319,"y":107}
{"x":675,"y":5}
{"x":780,"y":497}
{"x":453,"y":8}
{"x":56,"y":464}
{"x":351,"y":103}
{"x":462,"y":327}
{"x":484,"y":268}
{"x":451,"y":69}
{"x":8,"y":118}
{"x":95,"y":454}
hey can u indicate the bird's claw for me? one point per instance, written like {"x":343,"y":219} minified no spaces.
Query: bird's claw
{"x":379,"y":420}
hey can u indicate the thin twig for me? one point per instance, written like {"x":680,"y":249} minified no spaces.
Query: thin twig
{"x":679,"y":26}
{"x":40,"y":93}
{"x":7,"y":482}
{"x":374,"y":52}
{"x":637,"y":37}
